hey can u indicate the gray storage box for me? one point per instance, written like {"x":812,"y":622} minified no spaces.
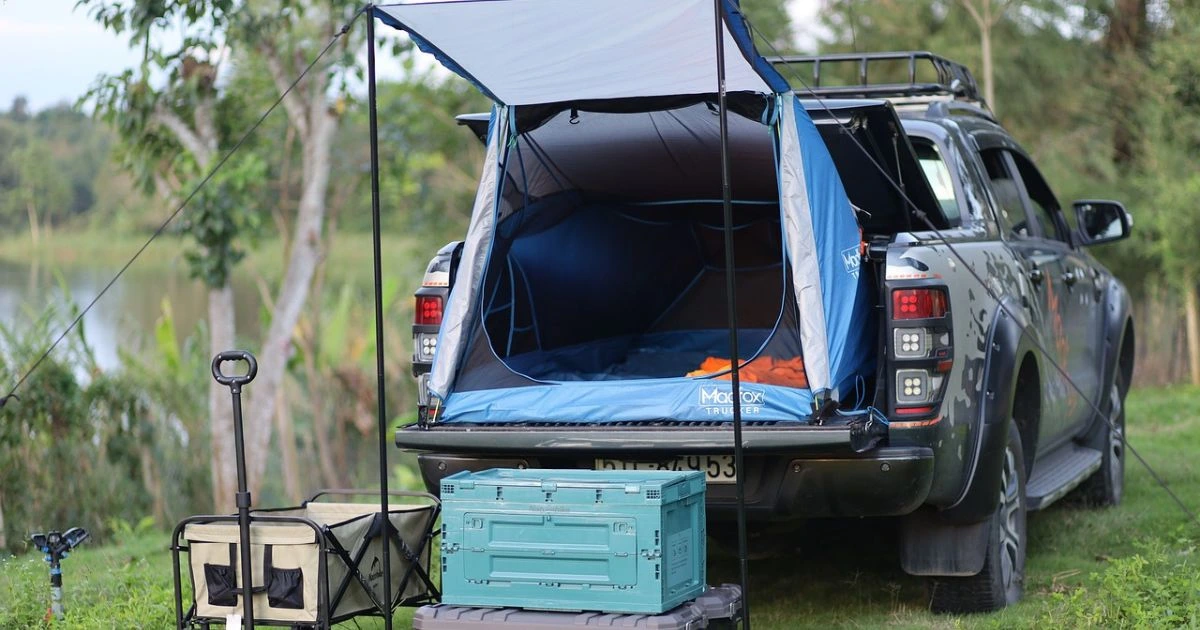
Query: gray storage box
{"x":446,"y":617}
{"x":722,"y":606}
{"x":718,"y":607}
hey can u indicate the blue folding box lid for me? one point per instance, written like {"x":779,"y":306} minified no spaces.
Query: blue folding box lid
{"x":637,"y":486}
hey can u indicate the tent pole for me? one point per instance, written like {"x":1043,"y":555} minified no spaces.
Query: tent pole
{"x":381,"y":383}
{"x":731,"y":301}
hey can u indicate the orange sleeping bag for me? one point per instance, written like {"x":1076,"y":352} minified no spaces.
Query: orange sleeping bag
{"x":765,"y":370}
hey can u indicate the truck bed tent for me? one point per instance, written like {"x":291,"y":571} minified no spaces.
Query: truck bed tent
{"x":591,"y":284}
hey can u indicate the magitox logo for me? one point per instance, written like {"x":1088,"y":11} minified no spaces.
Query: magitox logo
{"x":717,"y":400}
{"x":851,"y":260}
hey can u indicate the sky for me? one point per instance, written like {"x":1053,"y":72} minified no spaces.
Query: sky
{"x":51,"y":52}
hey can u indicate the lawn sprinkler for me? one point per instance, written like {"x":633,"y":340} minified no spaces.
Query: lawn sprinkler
{"x":56,"y":547}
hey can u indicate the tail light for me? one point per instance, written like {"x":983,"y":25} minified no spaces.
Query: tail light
{"x":428,"y":310}
{"x":922,"y":352}
{"x":918,"y":303}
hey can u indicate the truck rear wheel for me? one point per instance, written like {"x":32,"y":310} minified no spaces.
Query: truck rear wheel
{"x":1002,"y":580}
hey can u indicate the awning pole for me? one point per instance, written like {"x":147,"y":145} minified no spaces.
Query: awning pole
{"x":731,"y":300}
{"x":381,"y":382}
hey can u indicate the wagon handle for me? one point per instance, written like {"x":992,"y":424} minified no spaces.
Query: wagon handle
{"x":234,"y":381}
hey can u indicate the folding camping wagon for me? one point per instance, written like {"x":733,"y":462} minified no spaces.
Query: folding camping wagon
{"x":314,"y":565}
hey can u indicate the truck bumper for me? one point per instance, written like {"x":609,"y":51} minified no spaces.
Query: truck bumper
{"x":619,"y":440}
{"x":789,"y":474}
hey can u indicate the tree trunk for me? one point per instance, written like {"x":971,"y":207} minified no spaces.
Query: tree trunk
{"x":1127,"y":37}
{"x":320,"y":417}
{"x":220,"y":408}
{"x":293,"y":293}
{"x":152,"y":482}
{"x":986,"y":16}
{"x":33,"y":222}
{"x":285,"y":190}
{"x":323,"y":445}
{"x":3,"y":538}
{"x":1190,"y":299}
{"x":989,"y":83}
{"x":287,"y":448}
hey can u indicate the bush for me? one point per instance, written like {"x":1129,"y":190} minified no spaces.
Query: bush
{"x":1156,"y":588}
{"x":82,"y":447}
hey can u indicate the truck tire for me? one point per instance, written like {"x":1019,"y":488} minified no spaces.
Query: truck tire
{"x":1106,"y":486}
{"x":1002,"y":579}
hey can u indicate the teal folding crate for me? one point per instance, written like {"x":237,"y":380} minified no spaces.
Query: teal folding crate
{"x":611,"y":541}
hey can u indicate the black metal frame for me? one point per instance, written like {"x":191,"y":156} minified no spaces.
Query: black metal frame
{"x":953,"y":78}
{"x":719,"y":9}
{"x":377,"y":268}
{"x":327,"y":544}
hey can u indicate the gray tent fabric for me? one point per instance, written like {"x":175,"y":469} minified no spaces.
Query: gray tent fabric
{"x":523,"y":52}
{"x":667,"y":155}
{"x":465,"y":294}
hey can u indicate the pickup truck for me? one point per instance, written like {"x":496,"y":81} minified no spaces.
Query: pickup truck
{"x":989,"y":392}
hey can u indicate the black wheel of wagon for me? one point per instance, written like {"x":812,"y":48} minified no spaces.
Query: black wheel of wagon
{"x":1002,"y":580}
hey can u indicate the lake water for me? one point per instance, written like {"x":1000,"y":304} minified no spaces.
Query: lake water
{"x":123,"y":319}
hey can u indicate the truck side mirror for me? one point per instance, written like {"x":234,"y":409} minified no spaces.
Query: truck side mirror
{"x":1102,"y":221}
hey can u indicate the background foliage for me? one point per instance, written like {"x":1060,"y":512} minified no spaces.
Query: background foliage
{"x":88,"y":447}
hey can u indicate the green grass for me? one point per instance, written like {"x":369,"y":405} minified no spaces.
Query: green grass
{"x":125,"y":585}
{"x":851,"y":577}
{"x":1130,"y":566}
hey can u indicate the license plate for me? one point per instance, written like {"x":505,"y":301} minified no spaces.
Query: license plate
{"x":716,"y":468}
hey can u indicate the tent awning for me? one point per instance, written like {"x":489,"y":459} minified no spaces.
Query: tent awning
{"x":524,"y":52}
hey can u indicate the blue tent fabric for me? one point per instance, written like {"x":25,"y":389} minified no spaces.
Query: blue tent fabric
{"x":605,"y":402}
{"x":740,"y":29}
{"x":845,"y":295}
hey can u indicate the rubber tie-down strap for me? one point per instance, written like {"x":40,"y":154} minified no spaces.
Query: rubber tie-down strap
{"x":824,"y":408}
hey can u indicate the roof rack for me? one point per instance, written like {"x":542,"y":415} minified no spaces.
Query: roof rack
{"x":951,"y":79}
